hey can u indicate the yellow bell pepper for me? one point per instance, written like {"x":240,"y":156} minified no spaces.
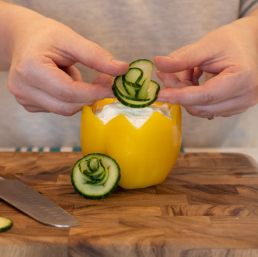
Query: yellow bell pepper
{"x":145,"y":155}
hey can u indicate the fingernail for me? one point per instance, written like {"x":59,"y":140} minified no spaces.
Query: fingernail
{"x":116,"y":62}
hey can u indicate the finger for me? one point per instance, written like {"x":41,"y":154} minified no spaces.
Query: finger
{"x":190,"y":77}
{"x":229,"y":114}
{"x":185,"y":58}
{"x":61,"y":86}
{"x":218,"y":89}
{"x":103,"y":79}
{"x":25,"y":101}
{"x":73,"y":72}
{"x":230,"y":106}
{"x":223,"y":114}
{"x":92,"y":55}
{"x":38,"y":98}
{"x":197,"y":73}
{"x":186,"y":75}
{"x":30,"y":105}
{"x":170,"y":80}
{"x":31,"y":108}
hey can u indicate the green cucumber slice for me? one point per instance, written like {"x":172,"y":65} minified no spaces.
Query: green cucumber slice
{"x":133,"y":77}
{"x":146,"y":66}
{"x":131,"y":90}
{"x":135,"y":88}
{"x":119,"y":85}
{"x":5,"y":224}
{"x":95,"y":176}
{"x":119,"y":88}
{"x":140,"y":103}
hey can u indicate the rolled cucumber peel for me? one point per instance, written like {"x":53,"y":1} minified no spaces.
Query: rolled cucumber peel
{"x":135,"y":88}
{"x":95,"y":176}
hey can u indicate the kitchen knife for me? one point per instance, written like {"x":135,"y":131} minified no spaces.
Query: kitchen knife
{"x":35,"y":204}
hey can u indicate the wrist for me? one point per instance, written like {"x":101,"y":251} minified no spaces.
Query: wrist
{"x":249,"y":27}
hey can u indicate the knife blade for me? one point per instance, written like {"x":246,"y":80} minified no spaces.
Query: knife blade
{"x":35,"y":205}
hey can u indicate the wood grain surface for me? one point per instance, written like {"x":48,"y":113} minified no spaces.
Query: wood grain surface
{"x":207,"y":207}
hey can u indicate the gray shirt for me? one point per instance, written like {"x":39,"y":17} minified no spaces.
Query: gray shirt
{"x":130,"y":30}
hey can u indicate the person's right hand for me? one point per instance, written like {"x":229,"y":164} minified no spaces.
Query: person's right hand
{"x":42,"y":76}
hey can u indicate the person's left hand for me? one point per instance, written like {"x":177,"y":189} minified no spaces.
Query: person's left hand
{"x":230,"y":53}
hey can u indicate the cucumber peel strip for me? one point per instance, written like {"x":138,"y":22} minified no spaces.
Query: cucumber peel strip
{"x":135,"y":88}
{"x":95,"y":176}
{"x":94,"y":171}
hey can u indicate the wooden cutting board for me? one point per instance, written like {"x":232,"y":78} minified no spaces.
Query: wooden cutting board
{"x":207,"y":207}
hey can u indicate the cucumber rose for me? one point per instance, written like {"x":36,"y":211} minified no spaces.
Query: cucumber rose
{"x":136,"y":89}
{"x":95,"y":176}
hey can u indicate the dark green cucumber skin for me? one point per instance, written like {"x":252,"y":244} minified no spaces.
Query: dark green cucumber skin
{"x":96,"y":197}
{"x":136,"y":82}
{"x":140,"y":61}
{"x":7,"y":227}
{"x":127,"y":97}
{"x":124,"y":102}
{"x":117,"y":95}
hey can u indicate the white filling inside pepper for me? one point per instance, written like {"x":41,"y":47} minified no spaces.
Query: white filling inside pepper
{"x":137,"y":116}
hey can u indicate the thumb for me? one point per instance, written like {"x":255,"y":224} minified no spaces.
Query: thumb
{"x":185,"y":58}
{"x":94,"y":56}
{"x":103,"y":79}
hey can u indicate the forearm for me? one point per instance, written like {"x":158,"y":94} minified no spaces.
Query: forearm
{"x":253,"y":16}
{"x":249,"y":26}
{"x":12,"y":19}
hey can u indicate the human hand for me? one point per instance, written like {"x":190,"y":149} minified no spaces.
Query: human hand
{"x":42,"y":76}
{"x":230,"y":53}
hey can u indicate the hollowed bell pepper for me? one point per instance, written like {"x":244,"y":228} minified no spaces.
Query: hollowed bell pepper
{"x":145,"y":155}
